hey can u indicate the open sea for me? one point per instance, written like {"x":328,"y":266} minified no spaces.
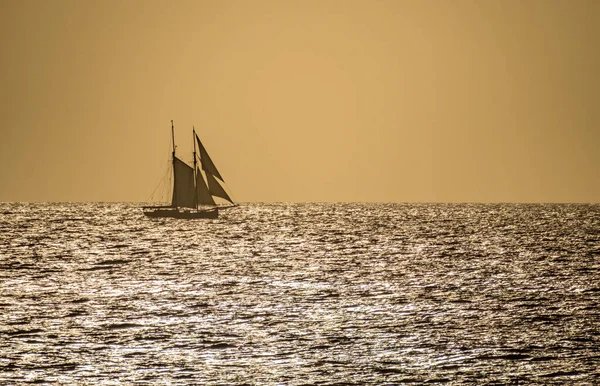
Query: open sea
{"x":301,"y":294}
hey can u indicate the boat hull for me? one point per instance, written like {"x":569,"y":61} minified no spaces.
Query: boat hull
{"x":181,"y":213}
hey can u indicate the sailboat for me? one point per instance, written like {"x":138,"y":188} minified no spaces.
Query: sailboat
{"x":193,"y":197}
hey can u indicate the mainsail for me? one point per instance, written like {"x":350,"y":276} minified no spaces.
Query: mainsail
{"x":183,"y":186}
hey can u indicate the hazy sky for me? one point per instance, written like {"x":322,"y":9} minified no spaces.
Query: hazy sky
{"x":393,"y":101}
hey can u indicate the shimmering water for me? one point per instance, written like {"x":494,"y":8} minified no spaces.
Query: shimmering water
{"x":301,"y":294}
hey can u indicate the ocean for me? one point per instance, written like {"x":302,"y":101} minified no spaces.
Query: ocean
{"x":301,"y":294}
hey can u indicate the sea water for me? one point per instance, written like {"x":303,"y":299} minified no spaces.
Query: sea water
{"x":293,"y":294}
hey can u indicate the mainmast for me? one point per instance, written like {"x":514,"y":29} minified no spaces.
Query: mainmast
{"x":174,"y":198}
{"x":173,"y":137}
{"x":195,"y":168}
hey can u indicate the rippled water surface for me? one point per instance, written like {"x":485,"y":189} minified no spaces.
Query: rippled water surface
{"x":301,"y":294}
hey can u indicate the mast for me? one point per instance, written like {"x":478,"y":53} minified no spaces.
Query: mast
{"x":195,"y":169}
{"x":173,"y":137}
{"x":174,"y":198}
{"x":185,"y":191}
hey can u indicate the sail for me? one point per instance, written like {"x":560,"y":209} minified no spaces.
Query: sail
{"x":216,"y":189}
{"x":207,"y":165}
{"x":183,"y":188}
{"x":204,"y":197}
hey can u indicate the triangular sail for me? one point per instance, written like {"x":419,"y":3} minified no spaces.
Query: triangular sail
{"x":204,"y":197}
{"x":207,"y":165}
{"x":184,"y":191}
{"x":216,"y":189}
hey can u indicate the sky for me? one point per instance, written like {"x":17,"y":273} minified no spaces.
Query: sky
{"x":303,"y":101}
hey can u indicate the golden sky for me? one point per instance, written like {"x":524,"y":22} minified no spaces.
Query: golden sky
{"x":386,"y":101}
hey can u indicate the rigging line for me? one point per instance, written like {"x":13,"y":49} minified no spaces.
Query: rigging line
{"x":159,"y":185}
{"x":167,"y":187}
{"x":171,"y":183}
{"x":162,"y":179}
{"x":160,"y":182}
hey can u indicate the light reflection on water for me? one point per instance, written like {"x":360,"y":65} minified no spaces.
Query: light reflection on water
{"x":301,"y":294}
